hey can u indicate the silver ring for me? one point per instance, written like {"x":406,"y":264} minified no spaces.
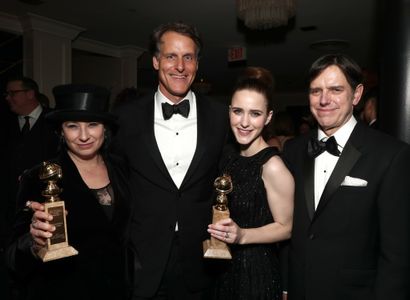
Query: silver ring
{"x":28,"y":204}
{"x":227,"y":235}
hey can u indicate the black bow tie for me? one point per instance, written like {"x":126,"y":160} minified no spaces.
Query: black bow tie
{"x":181,"y":108}
{"x":315,"y":147}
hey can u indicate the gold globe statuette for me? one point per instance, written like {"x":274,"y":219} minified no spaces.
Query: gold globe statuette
{"x":57,"y":246}
{"x":214,"y":248}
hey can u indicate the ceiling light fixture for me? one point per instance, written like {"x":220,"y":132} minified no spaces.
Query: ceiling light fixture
{"x":265,"y":14}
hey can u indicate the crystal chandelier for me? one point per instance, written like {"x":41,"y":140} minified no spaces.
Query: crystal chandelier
{"x":265,"y":14}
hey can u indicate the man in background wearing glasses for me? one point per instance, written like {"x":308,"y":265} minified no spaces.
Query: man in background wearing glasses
{"x":27,"y":141}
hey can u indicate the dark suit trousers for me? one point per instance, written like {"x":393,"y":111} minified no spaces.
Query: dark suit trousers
{"x":172,"y":286}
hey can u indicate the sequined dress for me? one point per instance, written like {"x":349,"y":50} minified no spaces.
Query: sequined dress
{"x":253,"y":272}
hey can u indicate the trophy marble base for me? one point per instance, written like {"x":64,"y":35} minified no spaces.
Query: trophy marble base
{"x":48,"y":255}
{"x":57,"y":246}
{"x":214,"y":248}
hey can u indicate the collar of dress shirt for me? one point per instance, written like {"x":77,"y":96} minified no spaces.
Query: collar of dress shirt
{"x":35,"y":114}
{"x":342,"y":134}
{"x":160,"y":98}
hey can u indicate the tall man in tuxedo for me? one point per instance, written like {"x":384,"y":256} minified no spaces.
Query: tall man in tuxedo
{"x":350,"y":236}
{"x":172,"y":140}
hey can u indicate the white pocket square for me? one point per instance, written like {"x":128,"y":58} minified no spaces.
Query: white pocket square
{"x":353,"y":181}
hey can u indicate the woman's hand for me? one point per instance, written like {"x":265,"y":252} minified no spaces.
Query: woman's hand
{"x":226,"y":230}
{"x":40,"y":229}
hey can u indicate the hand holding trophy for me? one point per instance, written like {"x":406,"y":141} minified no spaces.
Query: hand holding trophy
{"x":214,"y":248}
{"x":57,"y":245}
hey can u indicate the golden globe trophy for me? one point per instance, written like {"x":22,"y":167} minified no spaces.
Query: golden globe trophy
{"x":57,"y":245}
{"x":214,"y":248}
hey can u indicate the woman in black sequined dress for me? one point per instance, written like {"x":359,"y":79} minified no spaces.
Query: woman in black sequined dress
{"x":261,"y":203}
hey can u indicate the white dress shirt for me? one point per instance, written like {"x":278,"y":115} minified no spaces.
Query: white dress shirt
{"x":34,"y":115}
{"x":176,"y":137}
{"x":326,"y":162}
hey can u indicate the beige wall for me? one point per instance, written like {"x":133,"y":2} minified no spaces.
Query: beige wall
{"x":97,"y":69}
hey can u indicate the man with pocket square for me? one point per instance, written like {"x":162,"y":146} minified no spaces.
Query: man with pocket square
{"x":351,"y":235}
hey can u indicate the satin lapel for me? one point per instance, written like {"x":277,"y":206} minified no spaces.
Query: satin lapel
{"x":74,"y":181}
{"x":122,"y":202}
{"x":347,"y":160}
{"x":309,"y":175}
{"x":75,"y":185}
{"x":204,"y":130}
{"x":148,"y":137}
{"x":309,"y":178}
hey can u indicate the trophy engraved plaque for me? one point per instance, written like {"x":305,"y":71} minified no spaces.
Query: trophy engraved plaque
{"x":57,"y":245}
{"x":214,"y":248}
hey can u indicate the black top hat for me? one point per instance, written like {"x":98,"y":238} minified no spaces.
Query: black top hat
{"x":81,"y":102}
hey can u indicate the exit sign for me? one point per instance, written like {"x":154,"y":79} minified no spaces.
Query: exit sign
{"x":236,"y":54}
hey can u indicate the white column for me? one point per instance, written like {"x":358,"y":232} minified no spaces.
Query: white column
{"x":114,"y":67}
{"x":47,"y":51}
{"x":129,"y":62}
{"x":48,"y":56}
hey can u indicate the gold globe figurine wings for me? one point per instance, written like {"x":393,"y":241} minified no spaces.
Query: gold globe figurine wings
{"x":57,"y":246}
{"x":214,"y":248}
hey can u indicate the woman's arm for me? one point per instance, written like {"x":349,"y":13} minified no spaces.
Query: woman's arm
{"x":279,"y":185}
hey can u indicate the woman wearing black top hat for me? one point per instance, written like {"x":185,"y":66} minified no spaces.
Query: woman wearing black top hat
{"x":97,"y":202}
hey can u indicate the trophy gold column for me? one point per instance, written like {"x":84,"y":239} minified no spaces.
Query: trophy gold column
{"x":214,"y":248}
{"x":57,"y":245}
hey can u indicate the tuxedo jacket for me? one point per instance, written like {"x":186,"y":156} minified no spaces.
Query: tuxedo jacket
{"x":356,"y":244}
{"x":159,"y":203}
{"x":100,"y":268}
